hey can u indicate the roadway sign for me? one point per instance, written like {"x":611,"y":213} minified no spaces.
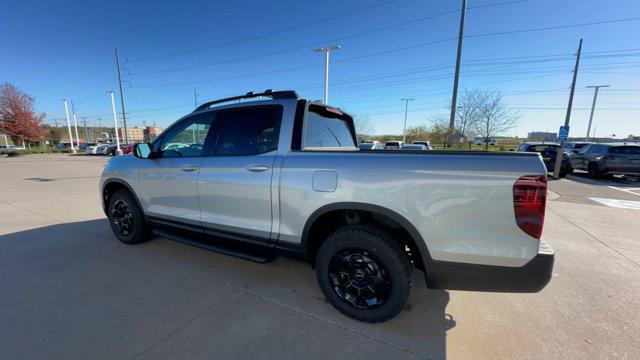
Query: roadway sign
{"x":563,"y":134}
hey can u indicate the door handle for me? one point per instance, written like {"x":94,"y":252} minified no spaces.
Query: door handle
{"x":188,"y":168}
{"x":256,"y":168}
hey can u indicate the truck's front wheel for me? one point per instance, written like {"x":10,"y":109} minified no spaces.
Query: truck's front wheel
{"x":364,"y":273}
{"x":126,"y":218}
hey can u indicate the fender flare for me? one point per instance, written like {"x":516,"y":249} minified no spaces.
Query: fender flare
{"x":406,"y":224}
{"x":119,"y":182}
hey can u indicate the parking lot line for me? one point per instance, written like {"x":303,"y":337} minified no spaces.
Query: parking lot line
{"x":623,"y":204}
{"x":627,"y":190}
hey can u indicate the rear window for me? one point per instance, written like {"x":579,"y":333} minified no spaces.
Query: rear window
{"x":392,"y":143}
{"x":327,"y":130}
{"x":631,"y":150}
{"x":544,"y":148}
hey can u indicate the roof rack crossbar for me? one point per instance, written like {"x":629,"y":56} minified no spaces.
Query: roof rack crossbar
{"x":276,"y":95}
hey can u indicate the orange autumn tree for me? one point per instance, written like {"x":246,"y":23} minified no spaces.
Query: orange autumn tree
{"x":18,"y":118}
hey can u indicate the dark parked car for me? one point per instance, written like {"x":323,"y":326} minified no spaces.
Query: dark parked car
{"x":574,"y":147}
{"x":608,"y":159}
{"x":548,"y":152}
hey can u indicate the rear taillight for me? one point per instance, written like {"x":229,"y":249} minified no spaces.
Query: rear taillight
{"x":529,"y":200}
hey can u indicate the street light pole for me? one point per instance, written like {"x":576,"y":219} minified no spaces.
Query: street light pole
{"x":115,"y":123}
{"x":75,"y":122}
{"x":66,"y":110}
{"x":406,"y":109}
{"x":326,"y":51}
{"x":593,"y":107}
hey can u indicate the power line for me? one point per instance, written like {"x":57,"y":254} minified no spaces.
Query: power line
{"x":260,"y":36}
{"x":75,"y":80}
{"x":337,"y":39}
{"x":553,"y":27}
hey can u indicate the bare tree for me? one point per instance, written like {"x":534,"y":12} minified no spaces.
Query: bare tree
{"x":363,"y":126}
{"x":493,"y":116}
{"x":467,"y":113}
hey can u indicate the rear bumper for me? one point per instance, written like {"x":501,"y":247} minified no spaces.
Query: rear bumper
{"x":530,"y":278}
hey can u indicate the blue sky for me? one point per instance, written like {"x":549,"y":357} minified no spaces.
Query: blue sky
{"x":391,"y":50}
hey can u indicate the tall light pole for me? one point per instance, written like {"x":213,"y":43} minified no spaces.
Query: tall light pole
{"x":456,"y":76}
{"x":75,"y":122}
{"x":404,"y":129}
{"x":66,"y":110}
{"x":593,"y":107}
{"x":326,"y":51}
{"x":115,"y":123}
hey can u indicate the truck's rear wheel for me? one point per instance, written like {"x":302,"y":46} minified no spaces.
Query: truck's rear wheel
{"x":364,"y":273}
{"x":126,"y":218}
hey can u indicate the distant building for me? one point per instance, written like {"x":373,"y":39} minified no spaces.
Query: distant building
{"x":541,"y":135}
{"x":633,"y":138}
{"x":133,"y":133}
{"x":152,"y":132}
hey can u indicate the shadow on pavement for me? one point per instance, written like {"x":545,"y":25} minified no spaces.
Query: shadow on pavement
{"x":72,"y":290}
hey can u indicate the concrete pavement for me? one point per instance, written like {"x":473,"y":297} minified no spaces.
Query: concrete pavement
{"x":71,"y":290}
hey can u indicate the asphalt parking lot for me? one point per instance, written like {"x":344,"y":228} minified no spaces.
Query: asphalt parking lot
{"x":69,"y":289}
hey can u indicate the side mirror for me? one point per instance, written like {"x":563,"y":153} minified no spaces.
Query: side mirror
{"x":142,"y":150}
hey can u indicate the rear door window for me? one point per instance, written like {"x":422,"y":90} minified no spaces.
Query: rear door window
{"x":327,"y":130}
{"x":249,"y":130}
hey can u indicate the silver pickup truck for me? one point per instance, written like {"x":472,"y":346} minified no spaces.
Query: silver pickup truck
{"x":260,"y":175}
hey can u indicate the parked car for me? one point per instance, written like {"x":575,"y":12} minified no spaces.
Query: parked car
{"x":573,"y":147}
{"x":370,"y":145}
{"x":393,"y":145}
{"x":84,"y":145}
{"x":92,"y":149}
{"x":126,"y":148}
{"x":414,"y":147}
{"x":102,"y":149}
{"x":608,"y":159}
{"x":425,"y":143}
{"x":492,"y":142}
{"x":8,"y":147}
{"x":548,"y":151}
{"x":363,"y":219}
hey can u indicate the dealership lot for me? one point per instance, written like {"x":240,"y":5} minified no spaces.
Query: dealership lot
{"x":70,"y":290}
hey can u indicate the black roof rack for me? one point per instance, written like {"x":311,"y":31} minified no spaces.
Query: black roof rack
{"x":276,"y":95}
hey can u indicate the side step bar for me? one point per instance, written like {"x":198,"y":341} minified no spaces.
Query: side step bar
{"x":255,"y":255}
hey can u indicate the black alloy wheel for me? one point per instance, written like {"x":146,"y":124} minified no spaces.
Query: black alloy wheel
{"x":126,"y":218}
{"x":122,"y":217}
{"x":359,"y":278}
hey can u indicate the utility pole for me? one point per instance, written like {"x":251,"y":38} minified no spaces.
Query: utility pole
{"x":100,"y":126}
{"x":124,"y":116}
{"x":406,"y":109}
{"x":556,"y":168}
{"x":195,"y":98}
{"x":115,"y":123}
{"x":75,"y":123}
{"x":593,"y":107}
{"x":66,"y":110}
{"x":86,"y":134}
{"x":456,"y":76}
{"x":326,"y":51}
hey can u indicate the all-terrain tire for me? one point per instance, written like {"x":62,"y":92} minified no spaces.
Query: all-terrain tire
{"x":386,"y":253}
{"x":123,"y":208}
